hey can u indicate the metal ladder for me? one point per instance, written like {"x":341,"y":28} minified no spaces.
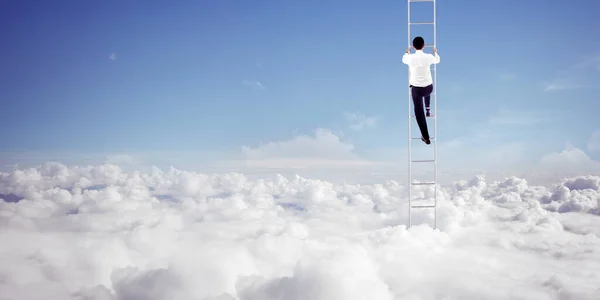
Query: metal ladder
{"x":411,"y":117}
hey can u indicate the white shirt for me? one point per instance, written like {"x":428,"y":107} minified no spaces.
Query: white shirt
{"x":419,"y":65}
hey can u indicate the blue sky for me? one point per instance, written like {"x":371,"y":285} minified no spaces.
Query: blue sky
{"x":210,"y":77}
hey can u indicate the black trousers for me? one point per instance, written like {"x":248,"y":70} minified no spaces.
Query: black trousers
{"x":418,"y":93}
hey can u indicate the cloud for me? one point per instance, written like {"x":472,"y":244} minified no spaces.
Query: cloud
{"x":504,"y":116}
{"x":581,"y":74}
{"x":324,"y":149}
{"x":507,"y":76}
{"x":487,"y":145}
{"x":594,"y":142}
{"x":571,"y":158}
{"x":493,"y":128}
{"x":120,"y":159}
{"x":324,"y":144}
{"x":589,"y":62}
{"x":113,"y":56}
{"x":255,"y":85}
{"x":98,"y":232}
{"x":562,"y":84}
{"x":360,"y":121}
{"x":505,"y":155}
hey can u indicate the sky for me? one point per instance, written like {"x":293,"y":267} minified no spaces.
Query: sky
{"x":224,"y":85}
{"x":102,"y":233}
{"x":240,"y":150}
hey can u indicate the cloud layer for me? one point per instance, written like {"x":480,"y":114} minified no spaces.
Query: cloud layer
{"x":101,"y":233}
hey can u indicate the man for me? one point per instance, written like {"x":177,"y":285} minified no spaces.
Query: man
{"x":421,"y":82}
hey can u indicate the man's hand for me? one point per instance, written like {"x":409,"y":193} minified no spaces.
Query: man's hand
{"x":408,"y":50}
{"x":434,"y":50}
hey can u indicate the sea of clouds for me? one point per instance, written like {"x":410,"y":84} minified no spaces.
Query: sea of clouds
{"x":102,"y":233}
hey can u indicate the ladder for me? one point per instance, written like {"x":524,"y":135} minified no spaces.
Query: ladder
{"x":411,"y":117}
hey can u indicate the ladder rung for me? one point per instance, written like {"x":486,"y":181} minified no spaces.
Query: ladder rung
{"x":421,"y":1}
{"x":422,"y":206}
{"x":423,"y":160}
{"x":423,"y":183}
{"x":421,"y":23}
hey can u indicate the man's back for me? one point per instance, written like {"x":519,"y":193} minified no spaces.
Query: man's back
{"x":419,"y":65}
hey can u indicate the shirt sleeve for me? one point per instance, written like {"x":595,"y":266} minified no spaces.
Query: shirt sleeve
{"x":406,"y":58}
{"x":435,"y":58}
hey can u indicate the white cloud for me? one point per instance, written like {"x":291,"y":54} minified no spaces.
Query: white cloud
{"x":360,"y":121}
{"x":589,"y":62}
{"x":594,"y":142}
{"x":491,"y":132}
{"x":576,"y":75}
{"x":255,"y":85}
{"x":323,"y":150}
{"x":570,"y":155}
{"x":113,"y":56}
{"x":504,"y":116}
{"x":507,"y":76}
{"x":101,"y":233}
{"x":324,"y":144}
{"x":120,"y":159}
{"x":570,"y":160}
{"x":562,"y":84}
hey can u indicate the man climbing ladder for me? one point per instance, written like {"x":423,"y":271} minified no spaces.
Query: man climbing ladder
{"x":421,"y":82}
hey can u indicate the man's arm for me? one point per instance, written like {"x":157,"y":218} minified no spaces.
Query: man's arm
{"x":406,"y":56}
{"x":436,"y":57}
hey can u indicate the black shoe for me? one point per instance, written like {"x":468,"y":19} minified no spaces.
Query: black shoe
{"x":427,"y":114}
{"x":427,"y":141}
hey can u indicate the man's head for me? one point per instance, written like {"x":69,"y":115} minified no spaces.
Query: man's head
{"x":418,"y":43}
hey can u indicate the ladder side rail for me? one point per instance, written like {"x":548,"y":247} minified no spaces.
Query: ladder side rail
{"x":409,"y":132}
{"x":435,"y":174}
{"x":434,"y":138}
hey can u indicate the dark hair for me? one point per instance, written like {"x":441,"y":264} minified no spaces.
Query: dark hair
{"x":418,"y":43}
